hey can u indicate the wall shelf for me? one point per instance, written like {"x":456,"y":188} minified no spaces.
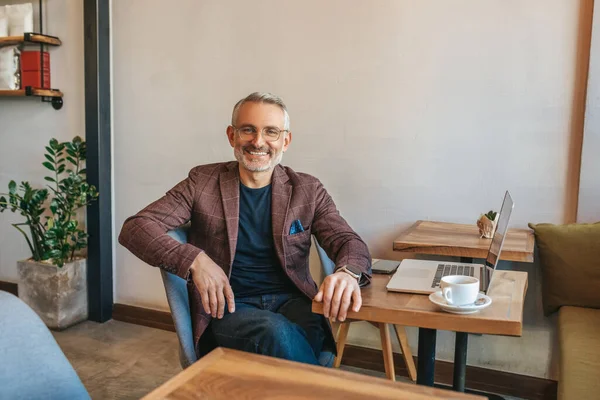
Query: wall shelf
{"x":53,"y":96}
{"x":47,"y":95}
{"x":31,"y":38}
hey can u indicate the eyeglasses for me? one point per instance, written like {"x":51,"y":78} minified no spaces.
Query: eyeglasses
{"x":271,"y":134}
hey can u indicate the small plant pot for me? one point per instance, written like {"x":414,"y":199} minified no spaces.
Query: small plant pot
{"x":58,"y":295}
{"x":486,"y":226}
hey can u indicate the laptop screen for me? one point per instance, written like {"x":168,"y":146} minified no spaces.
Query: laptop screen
{"x":498,"y":239}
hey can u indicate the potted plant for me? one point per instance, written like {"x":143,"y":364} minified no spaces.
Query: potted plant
{"x":487,"y":224}
{"x":53,"y":281}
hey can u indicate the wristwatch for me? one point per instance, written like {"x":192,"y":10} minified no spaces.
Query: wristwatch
{"x":352,"y":271}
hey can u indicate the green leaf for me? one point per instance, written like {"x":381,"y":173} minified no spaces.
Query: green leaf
{"x":55,"y":254}
{"x":49,"y":158}
{"x":48,"y":165}
{"x":77,"y":140}
{"x":83,"y":171}
{"x":12,"y":187}
{"x":49,"y":179}
{"x":54,"y":143}
{"x":71,"y":160}
{"x":71,"y":153}
{"x":61,"y":169}
{"x":54,"y":206}
{"x":49,"y":150}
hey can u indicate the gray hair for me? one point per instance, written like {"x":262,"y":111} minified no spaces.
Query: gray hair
{"x":262,"y":97}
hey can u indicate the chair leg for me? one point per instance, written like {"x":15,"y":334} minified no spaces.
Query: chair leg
{"x":341,"y":343}
{"x":335,"y":328}
{"x":406,"y":353}
{"x":386,"y":348}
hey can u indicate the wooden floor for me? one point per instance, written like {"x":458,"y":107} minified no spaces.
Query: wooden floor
{"x":117,"y":360}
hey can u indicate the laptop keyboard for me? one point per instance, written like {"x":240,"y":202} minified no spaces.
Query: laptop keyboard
{"x":449,"y":269}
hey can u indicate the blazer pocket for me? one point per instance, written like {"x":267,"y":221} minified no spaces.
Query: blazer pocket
{"x":297,"y":245}
{"x":300,"y":236}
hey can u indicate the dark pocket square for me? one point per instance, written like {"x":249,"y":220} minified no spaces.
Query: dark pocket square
{"x":296,"y":227}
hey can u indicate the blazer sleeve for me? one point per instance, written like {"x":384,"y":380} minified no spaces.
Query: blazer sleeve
{"x":337,"y":238}
{"x":145,"y":233}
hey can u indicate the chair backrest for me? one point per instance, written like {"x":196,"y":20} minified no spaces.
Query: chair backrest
{"x":326,"y":264}
{"x":33,"y":366}
{"x":179,"y":303}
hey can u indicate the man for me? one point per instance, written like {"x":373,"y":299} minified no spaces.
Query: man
{"x":246,"y":260}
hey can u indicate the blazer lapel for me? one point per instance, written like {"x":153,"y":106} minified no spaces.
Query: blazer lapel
{"x":230,"y":195}
{"x":280,"y":202}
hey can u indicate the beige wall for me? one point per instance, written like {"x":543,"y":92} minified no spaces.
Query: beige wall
{"x":405,"y":110}
{"x":27,"y":124}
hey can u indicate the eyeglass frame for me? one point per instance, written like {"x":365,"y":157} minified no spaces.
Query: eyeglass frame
{"x":236,"y":129}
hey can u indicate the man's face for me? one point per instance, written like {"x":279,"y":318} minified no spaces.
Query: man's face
{"x":257,"y":153}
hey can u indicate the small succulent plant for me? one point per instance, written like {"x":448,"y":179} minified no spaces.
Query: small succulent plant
{"x":491,"y":215}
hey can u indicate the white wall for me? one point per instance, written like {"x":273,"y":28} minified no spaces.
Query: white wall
{"x":405,"y":110}
{"x":27,"y":124}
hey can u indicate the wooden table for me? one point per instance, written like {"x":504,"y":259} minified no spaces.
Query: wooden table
{"x":464,"y":241}
{"x":503,"y":317}
{"x":231,"y":374}
{"x":458,"y":240}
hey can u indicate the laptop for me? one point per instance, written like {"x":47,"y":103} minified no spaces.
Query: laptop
{"x":424,"y":276}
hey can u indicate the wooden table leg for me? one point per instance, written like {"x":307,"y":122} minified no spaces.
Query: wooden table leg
{"x":406,"y":353}
{"x":386,"y":348}
{"x":341,"y":343}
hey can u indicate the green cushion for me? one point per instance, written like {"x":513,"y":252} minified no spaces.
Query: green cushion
{"x":570,"y":260}
{"x":579,"y":346}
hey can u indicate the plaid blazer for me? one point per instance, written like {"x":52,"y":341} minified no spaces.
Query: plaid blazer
{"x":209,"y":198}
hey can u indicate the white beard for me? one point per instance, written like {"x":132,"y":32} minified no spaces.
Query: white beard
{"x":254,"y":167}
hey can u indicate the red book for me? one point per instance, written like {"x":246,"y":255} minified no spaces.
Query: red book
{"x":31,"y":61}
{"x":34,"y":79}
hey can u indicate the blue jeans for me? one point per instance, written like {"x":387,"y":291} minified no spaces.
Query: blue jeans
{"x":277,"y":325}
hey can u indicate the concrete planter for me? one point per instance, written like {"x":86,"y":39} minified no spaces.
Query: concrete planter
{"x":58,"y":295}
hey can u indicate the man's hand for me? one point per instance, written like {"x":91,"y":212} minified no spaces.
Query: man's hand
{"x":336,"y":292}
{"x":213,"y":285}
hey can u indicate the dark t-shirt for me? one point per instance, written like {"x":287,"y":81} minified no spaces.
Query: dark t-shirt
{"x":256,"y":268}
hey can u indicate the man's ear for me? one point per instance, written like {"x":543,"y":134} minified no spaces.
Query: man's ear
{"x":231,"y":135}
{"x":287,"y":139}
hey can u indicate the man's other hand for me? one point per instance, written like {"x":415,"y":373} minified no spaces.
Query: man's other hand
{"x":336,"y":292}
{"x":213,"y":285}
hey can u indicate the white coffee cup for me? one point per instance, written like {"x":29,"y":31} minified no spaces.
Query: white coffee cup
{"x":459,"y":290}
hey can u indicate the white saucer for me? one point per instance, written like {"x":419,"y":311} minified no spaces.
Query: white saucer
{"x":482,"y":302}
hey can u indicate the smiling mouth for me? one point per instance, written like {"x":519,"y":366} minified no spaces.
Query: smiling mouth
{"x":257,"y":153}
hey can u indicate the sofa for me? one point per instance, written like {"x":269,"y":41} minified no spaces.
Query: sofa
{"x":570,"y":262}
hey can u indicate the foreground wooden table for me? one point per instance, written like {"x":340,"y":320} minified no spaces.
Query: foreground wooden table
{"x":232,"y":375}
{"x":458,"y":240}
